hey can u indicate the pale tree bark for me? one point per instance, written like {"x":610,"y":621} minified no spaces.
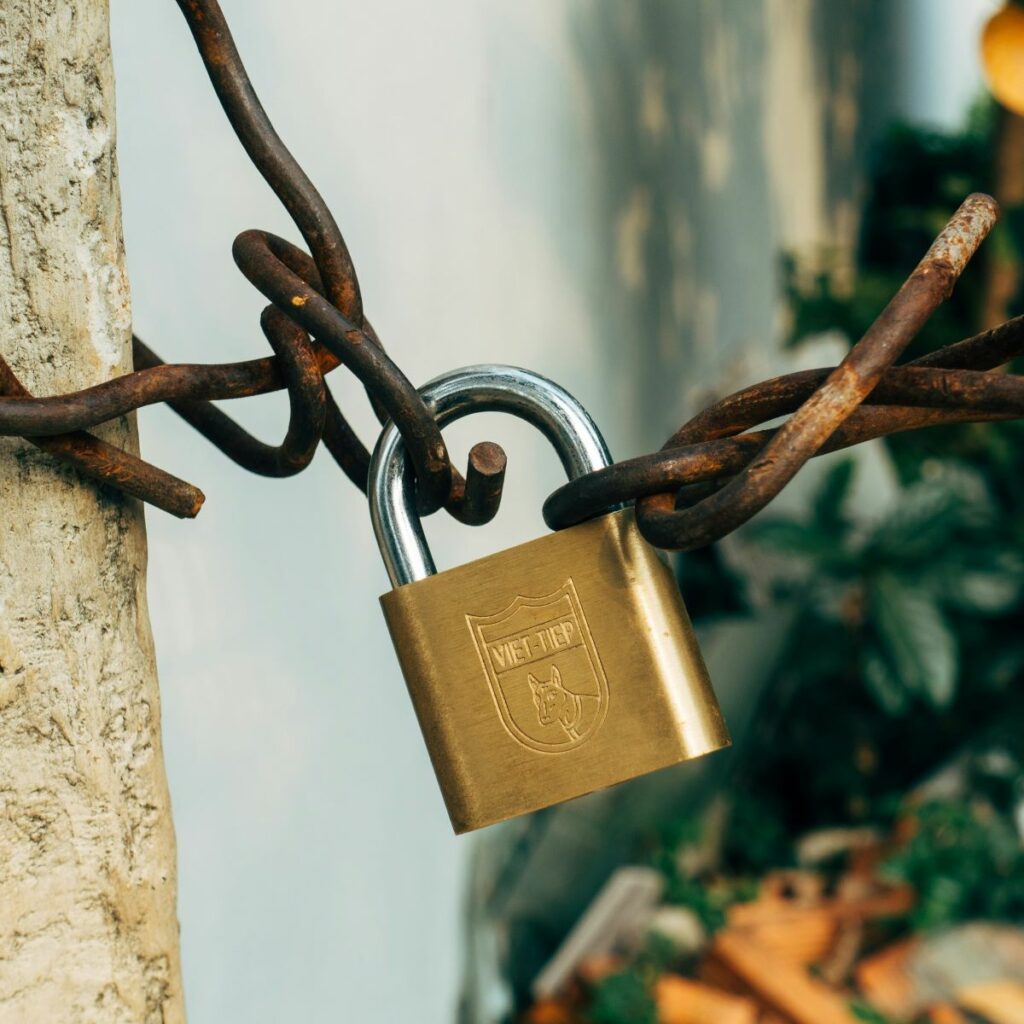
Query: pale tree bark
{"x":88,"y":929}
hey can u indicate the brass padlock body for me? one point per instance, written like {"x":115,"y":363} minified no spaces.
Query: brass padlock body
{"x":552,"y":669}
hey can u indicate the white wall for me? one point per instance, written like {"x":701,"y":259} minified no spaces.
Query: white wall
{"x":319,"y":876}
{"x":940,"y":69}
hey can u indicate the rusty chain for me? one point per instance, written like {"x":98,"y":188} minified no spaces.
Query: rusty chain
{"x":712,"y":475}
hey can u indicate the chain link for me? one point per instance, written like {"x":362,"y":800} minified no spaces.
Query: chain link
{"x":709,"y":477}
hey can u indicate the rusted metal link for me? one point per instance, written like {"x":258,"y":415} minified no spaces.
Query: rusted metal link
{"x":891,"y":408}
{"x":810,"y":427}
{"x":307,"y":396}
{"x":335,"y":315}
{"x":896,"y":395}
{"x":475,"y":500}
{"x":710,"y":477}
{"x":722,"y":479}
{"x":111,"y":465}
{"x":315,"y":295}
{"x":271,"y":157}
{"x":330,"y":253}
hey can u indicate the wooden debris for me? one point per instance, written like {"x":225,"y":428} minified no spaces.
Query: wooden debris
{"x":797,"y":935}
{"x":892,"y":902}
{"x":793,"y":919}
{"x":915,"y":974}
{"x":944,"y":1013}
{"x":681,"y":1001}
{"x":885,"y":982}
{"x":788,"y":918}
{"x":780,"y":985}
{"x":791,"y":956}
{"x":800,"y":887}
{"x":549,"y":1011}
{"x":713,"y":972}
{"x":837,"y":966}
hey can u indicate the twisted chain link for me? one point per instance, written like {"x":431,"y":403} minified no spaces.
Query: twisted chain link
{"x":712,"y":475}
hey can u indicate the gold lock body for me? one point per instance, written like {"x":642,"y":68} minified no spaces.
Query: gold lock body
{"x":552,"y":669}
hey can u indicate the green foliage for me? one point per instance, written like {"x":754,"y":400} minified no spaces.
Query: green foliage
{"x":936,"y":583}
{"x":965,"y":862}
{"x":708,"y":899}
{"x":918,"y":179}
{"x":626,"y":996}
{"x":907,"y":645}
{"x":712,"y":587}
{"x":756,"y":838}
{"x":907,"y":589}
{"x":623,"y":998}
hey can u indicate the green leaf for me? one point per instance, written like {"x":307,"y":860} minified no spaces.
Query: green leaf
{"x":921,"y":526}
{"x":915,"y":636}
{"x":965,"y":862}
{"x":980,"y":580}
{"x":1000,"y":666}
{"x":970,"y":487}
{"x":891,"y":696}
{"x":985,"y":593}
{"x":932,"y":516}
{"x":793,"y":538}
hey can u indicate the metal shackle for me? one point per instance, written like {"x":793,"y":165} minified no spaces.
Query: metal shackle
{"x":531,"y":397}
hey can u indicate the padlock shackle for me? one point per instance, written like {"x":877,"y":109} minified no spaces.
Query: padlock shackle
{"x":489,"y":388}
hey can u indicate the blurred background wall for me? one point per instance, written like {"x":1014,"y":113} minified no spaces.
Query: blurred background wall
{"x":596,"y":190}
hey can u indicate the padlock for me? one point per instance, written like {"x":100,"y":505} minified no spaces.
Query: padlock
{"x":552,"y":669}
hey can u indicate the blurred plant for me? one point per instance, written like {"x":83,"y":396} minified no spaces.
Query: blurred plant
{"x":709,"y":899}
{"x":905,"y":599}
{"x":906,"y":648}
{"x":907,"y":643}
{"x":965,"y":862}
{"x":627,"y":996}
{"x":624,"y":996}
{"x":919,"y":176}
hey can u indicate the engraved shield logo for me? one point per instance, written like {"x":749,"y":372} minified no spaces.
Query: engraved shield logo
{"x":543,"y":669}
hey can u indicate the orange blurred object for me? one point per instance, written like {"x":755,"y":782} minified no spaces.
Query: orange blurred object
{"x":884,"y":979}
{"x":789,"y":991}
{"x":681,"y":1001}
{"x":1002,"y":56}
{"x":596,"y":968}
{"x":549,"y":1011}
{"x":943,"y":1013}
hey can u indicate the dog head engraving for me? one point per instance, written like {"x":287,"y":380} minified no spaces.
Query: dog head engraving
{"x":554,"y":702}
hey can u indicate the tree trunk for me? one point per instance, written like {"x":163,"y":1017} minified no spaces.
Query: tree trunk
{"x":88,"y":930}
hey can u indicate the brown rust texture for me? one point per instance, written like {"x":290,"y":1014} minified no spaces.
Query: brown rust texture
{"x":711,"y":475}
{"x":721,"y":476}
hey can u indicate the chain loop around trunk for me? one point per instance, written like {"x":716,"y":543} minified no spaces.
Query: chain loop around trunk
{"x":712,"y":475}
